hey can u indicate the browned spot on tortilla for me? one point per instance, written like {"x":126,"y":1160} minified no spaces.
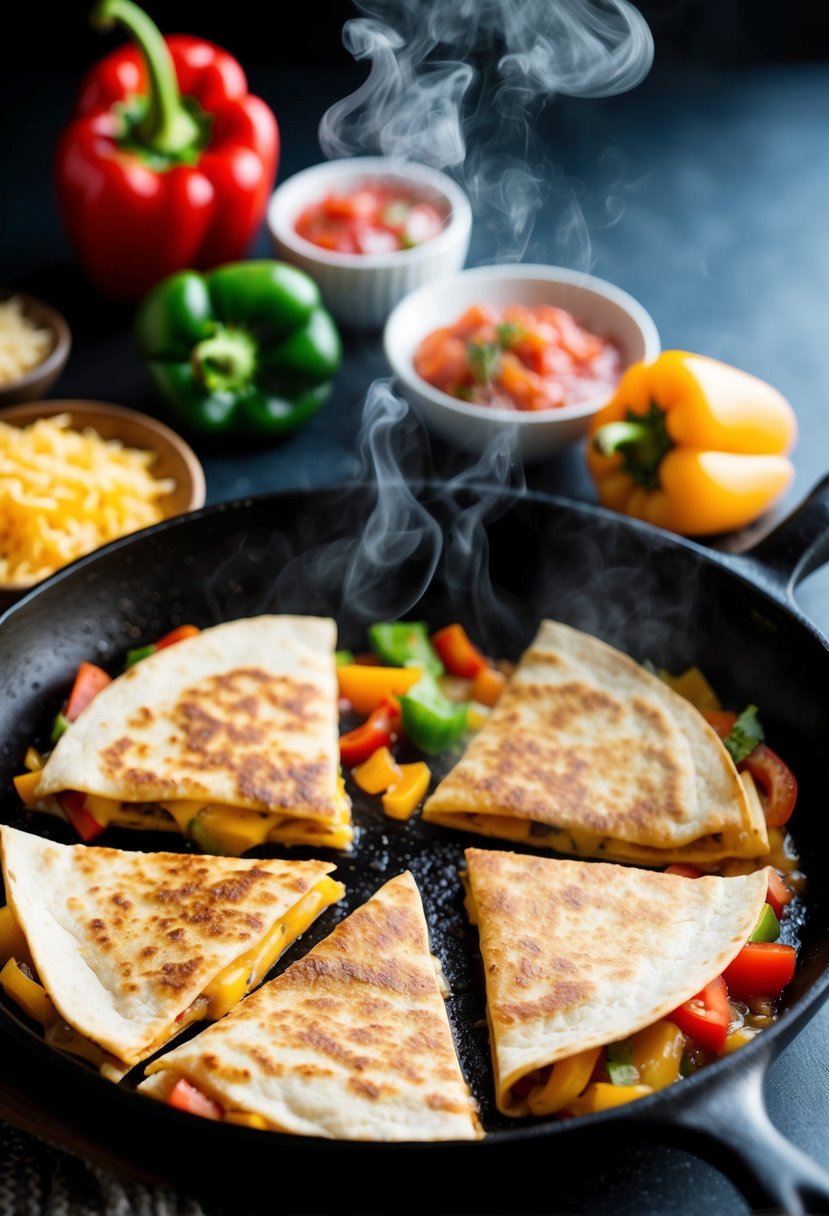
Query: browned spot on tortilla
{"x":563,"y":995}
{"x":176,"y":975}
{"x":365,"y":1089}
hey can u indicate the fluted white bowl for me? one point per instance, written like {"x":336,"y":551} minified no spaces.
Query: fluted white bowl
{"x":360,"y":289}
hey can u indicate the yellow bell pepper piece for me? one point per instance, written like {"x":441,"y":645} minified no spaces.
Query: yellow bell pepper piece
{"x":657,"y":1053}
{"x":29,"y":995}
{"x":377,"y":773}
{"x":694,"y":687}
{"x":601,"y":1095}
{"x":566,"y":1081}
{"x":12,"y":938}
{"x":26,"y":785}
{"x":245,"y":1119}
{"x":401,"y":800}
{"x":692,"y":445}
{"x":33,"y":760}
{"x":366,"y":687}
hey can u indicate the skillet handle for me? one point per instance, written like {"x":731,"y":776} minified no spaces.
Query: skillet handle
{"x":729,"y":1126}
{"x":798,"y":545}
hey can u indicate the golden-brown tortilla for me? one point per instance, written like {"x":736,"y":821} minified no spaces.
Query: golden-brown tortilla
{"x":242,"y":715}
{"x":124,"y":943}
{"x":586,"y":752}
{"x":581,"y":954}
{"x":351,"y":1042}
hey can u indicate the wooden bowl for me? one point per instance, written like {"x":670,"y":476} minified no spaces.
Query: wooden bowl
{"x":174,"y":458}
{"x":36,"y":382}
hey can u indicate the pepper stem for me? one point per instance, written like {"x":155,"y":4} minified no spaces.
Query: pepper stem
{"x":166,"y":127}
{"x":641,"y":439}
{"x":225,"y":361}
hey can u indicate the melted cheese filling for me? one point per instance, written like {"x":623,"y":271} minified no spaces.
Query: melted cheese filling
{"x":219,"y":996}
{"x":235,"y":829}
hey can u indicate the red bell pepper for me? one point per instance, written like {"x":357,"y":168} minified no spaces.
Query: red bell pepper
{"x":89,"y":681}
{"x":706,"y":1016}
{"x":169,"y":161}
{"x":186,"y":1096}
{"x":380,"y":729}
{"x":459,"y":655}
{"x":760,"y":969}
{"x":86,"y":825}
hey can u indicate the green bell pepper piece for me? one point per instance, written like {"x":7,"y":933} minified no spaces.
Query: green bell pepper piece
{"x":768,"y":926}
{"x":59,"y":727}
{"x":343,"y":658}
{"x":431,"y":720}
{"x":405,"y":644}
{"x":245,"y":350}
{"x":140,"y":652}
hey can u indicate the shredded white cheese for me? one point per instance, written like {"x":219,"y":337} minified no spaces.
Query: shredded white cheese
{"x":22,"y":344}
{"x":64,"y":493}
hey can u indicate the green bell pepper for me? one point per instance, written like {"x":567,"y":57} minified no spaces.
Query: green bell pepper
{"x":405,"y":644}
{"x":768,"y":926}
{"x":245,"y":350}
{"x":431,"y":720}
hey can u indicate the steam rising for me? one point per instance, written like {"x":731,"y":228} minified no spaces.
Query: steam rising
{"x":458,"y":84}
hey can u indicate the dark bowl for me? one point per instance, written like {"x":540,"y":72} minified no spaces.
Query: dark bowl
{"x":36,"y":382}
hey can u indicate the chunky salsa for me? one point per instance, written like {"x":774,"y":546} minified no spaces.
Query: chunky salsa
{"x":519,"y":358}
{"x":372,"y":217}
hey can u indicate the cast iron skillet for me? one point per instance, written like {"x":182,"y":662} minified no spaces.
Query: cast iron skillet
{"x":498,"y":562}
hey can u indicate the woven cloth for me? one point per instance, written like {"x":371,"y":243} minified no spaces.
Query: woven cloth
{"x":37,"y":1180}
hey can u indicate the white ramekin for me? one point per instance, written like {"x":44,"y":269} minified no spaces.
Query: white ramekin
{"x":599,"y":306}
{"x":360,"y":290}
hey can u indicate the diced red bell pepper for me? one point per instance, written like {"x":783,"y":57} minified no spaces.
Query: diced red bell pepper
{"x":682,"y":870}
{"x":89,"y":681}
{"x":722,"y":720}
{"x":177,"y":635}
{"x":772,"y":774}
{"x":72,"y":805}
{"x":760,"y":969}
{"x":380,"y":729}
{"x":778,"y":894}
{"x":458,"y":655}
{"x":186,"y":1096}
{"x":706,"y":1016}
{"x":776,"y":780}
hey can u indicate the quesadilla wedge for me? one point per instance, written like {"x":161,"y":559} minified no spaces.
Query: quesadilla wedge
{"x":581,"y":955}
{"x":351,"y":1042}
{"x":229,"y":736}
{"x":588,"y":753}
{"x":117,"y":952}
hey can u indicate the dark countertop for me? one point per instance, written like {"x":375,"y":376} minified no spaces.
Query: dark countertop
{"x":704,"y":195}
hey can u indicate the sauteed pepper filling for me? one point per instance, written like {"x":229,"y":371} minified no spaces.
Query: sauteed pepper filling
{"x":728,"y":1013}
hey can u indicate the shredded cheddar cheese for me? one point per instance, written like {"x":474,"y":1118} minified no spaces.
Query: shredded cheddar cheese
{"x":64,"y":493}
{"x":23,"y":344}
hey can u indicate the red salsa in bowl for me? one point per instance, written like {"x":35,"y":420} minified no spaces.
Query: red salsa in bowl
{"x":372,"y":217}
{"x":519,"y":357}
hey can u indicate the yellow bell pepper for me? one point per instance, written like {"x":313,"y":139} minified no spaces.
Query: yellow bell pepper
{"x":375,"y":775}
{"x":567,"y":1079}
{"x":26,"y":784}
{"x":692,"y":445}
{"x":13,"y":942}
{"x":29,"y":995}
{"x":694,"y":687}
{"x":367,"y":687}
{"x":401,"y":800}
{"x":601,"y":1095}
{"x":657,"y":1053}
